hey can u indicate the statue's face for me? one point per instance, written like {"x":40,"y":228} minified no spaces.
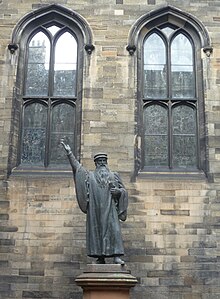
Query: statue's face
{"x":101,"y":162}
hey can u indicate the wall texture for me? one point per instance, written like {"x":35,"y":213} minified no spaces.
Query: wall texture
{"x":172,"y":234}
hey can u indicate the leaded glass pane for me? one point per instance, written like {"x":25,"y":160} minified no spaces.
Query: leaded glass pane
{"x":65,"y":65}
{"x":182,"y":73}
{"x":38,"y":65}
{"x":155,"y":136}
{"x":184,"y":151}
{"x":62,"y":127}
{"x":34,"y":134}
{"x":184,"y":136}
{"x":155,"y":69}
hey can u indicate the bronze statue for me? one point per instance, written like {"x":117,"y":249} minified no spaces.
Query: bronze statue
{"x":102,"y":196}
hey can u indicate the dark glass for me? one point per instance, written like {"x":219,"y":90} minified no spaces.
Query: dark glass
{"x":38,"y":65}
{"x":62,"y":127}
{"x":34,"y":134}
{"x":156,"y":152}
{"x":155,"y":69}
{"x":184,"y":153}
{"x":156,"y":136}
{"x":65,"y":66}
{"x":184,"y":136}
{"x":182,"y":73}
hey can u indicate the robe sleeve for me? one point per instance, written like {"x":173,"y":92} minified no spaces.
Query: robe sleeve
{"x":122,"y":200}
{"x":81,"y":179}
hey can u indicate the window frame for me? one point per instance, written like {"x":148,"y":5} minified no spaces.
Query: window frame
{"x":169,"y":101}
{"x":52,"y":14}
{"x":169,"y":16}
{"x":49,"y":100}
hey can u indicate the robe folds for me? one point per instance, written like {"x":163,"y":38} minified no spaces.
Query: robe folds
{"x":103,"y":232}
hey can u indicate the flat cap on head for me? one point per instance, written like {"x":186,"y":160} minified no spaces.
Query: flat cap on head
{"x":100,"y":155}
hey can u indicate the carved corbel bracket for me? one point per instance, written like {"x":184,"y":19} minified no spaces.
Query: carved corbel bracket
{"x":12,"y":48}
{"x":89,"y":49}
{"x":208,"y":50}
{"x":131,"y":49}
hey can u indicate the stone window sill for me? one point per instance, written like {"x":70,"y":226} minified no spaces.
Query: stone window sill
{"x":62,"y":171}
{"x":171,"y":174}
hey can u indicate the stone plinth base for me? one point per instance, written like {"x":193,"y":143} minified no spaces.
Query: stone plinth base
{"x":107,"y":281}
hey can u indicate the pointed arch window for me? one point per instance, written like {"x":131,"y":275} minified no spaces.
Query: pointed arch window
{"x":50,"y":94}
{"x":170,"y":100}
{"x":47,"y":105}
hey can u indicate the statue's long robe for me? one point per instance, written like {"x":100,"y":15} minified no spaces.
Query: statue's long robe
{"x":103,"y":232}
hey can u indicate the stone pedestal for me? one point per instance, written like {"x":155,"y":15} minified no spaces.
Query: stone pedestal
{"x":107,"y":281}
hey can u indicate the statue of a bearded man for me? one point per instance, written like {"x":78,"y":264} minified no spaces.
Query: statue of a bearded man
{"x":102,"y":196}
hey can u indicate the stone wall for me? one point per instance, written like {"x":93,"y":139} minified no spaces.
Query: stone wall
{"x":172,"y":234}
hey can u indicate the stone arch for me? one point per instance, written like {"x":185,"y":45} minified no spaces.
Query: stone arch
{"x":172,"y":15}
{"x":57,"y":12}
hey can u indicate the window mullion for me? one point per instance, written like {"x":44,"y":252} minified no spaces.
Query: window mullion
{"x":47,"y":144}
{"x":49,"y":112}
{"x":197,"y":137}
{"x":170,"y":136}
{"x":51,"y":69}
{"x":50,"y":93}
{"x":169,"y":91}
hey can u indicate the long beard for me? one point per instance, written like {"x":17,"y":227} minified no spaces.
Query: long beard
{"x":102,"y":175}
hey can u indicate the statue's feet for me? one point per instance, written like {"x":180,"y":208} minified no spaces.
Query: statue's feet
{"x":118,"y":260}
{"x":100,"y":260}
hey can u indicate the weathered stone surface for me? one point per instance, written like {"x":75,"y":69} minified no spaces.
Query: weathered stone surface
{"x":172,"y":234}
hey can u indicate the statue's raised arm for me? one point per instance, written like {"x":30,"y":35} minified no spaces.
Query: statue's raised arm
{"x":66,"y":147}
{"x":80,"y":176}
{"x":73,"y":162}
